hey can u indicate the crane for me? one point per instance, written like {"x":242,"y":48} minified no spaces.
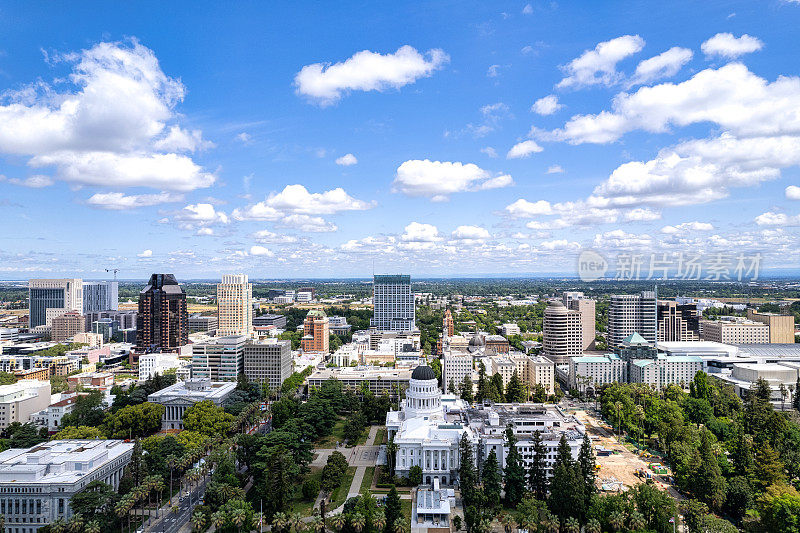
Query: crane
{"x":114,"y":270}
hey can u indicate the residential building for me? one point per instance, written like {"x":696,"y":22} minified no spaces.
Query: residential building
{"x":37,"y":373}
{"x":663,"y":370}
{"x":678,"y":322}
{"x":51,"y":417}
{"x":36,"y":484}
{"x":177,"y":398}
{"x":57,"y":295}
{"x":541,"y":371}
{"x":510,"y":329}
{"x":20,"y":400}
{"x":562,"y":333}
{"x":596,"y":370}
{"x":235,"y":305}
{"x":219,"y":359}
{"x":316,"y":331}
{"x":734,"y":330}
{"x":781,"y":327}
{"x":158,"y":363}
{"x":393,"y":303}
{"x":163,"y":321}
{"x":268,"y":362}
{"x":198,"y":322}
{"x":66,"y":326}
{"x":279,"y":321}
{"x":100,"y":296}
{"x":629,"y":313}
{"x":455,"y":366}
{"x":392,"y":381}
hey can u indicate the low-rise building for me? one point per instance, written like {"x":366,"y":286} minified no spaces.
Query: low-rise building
{"x":198,"y":322}
{"x":279,"y":321}
{"x":781,"y":327}
{"x":663,"y":370}
{"x":378,"y":380}
{"x":734,"y":330}
{"x":20,"y":400}
{"x":177,"y":398}
{"x":158,"y":363}
{"x":509,"y":329}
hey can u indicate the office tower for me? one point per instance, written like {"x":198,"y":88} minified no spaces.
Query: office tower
{"x":268,"y":363}
{"x":632,"y":313}
{"x":220,"y":359}
{"x":163,"y":321}
{"x":781,"y":327}
{"x":393,"y":303}
{"x":586,"y":306}
{"x":678,"y":322}
{"x":100,"y":296}
{"x":235,"y":306}
{"x":448,"y":325}
{"x":48,"y":298}
{"x":66,"y":326}
{"x":316,"y":329}
{"x":734,"y":330}
{"x":455,"y":366}
{"x":562,"y":332}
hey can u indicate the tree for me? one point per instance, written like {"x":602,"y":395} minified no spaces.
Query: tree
{"x":465,"y":389}
{"x":207,"y":419}
{"x":514,"y":470}
{"x":96,"y":500}
{"x":483,"y":384}
{"x":415,"y":475}
{"x":709,"y":483}
{"x":492,"y":480}
{"x":451,"y":387}
{"x":333,"y":472}
{"x":279,"y":469}
{"x":515,"y":392}
{"x":134,"y":421}
{"x":566,"y":486}
{"x":587,"y":465}
{"x":497,"y":393}
{"x":79,"y":432}
{"x":796,"y":401}
{"x":310,"y":489}
{"x":780,"y":509}
{"x":457,"y":523}
{"x":537,"y":474}
{"x":393,"y":509}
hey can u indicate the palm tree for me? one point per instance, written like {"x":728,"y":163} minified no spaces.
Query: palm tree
{"x":593,"y":526}
{"x":238,"y":517}
{"x":198,"y":521}
{"x":549,"y":523}
{"x":398,"y":526}
{"x":358,"y":522}
{"x":279,"y":521}
{"x":218,"y":519}
{"x":507,"y":521}
{"x":337,"y":521}
{"x":571,"y":525}
{"x":525,"y":521}
{"x":636,"y":521}
{"x":296,"y":521}
{"x":616,"y":520}
{"x":379,"y":520}
{"x":60,"y":525}
{"x":317,"y":524}
{"x":91,"y":527}
{"x":75,"y":523}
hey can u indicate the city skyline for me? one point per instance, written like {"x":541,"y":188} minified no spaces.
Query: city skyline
{"x":334,"y":142}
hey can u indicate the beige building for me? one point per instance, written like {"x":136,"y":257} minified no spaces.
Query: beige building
{"x":235,"y":306}
{"x":562,"y":335}
{"x":67,"y":325}
{"x":22,"y":399}
{"x":575,"y":301}
{"x":531,"y":370}
{"x":734,"y":330}
{"x":781,"y":327}
{"x":378,"y":380}
{"x":455,"y":365}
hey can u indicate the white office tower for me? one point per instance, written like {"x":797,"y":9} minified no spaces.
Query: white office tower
{"x":100,"y":296}
{"x":562,"y":333}
{"x":576,"y":301}
{"x":393,"y":303}
{"x":632,"y":313}
{"x":50,"y":298}
{"x":235,"y":306}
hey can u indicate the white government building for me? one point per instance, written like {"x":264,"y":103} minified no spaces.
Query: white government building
{"x":37,"y":483}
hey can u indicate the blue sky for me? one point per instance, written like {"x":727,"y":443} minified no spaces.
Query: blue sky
{"x":485,"y":137}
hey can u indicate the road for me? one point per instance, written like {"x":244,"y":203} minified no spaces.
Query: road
{"x":170,"y":522}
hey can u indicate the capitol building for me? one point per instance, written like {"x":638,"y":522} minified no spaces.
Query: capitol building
{"x":429,"y":426}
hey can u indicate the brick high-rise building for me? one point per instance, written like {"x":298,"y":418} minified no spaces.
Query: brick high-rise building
{"x":163,"y":319}
{"x":448,"y":325}
{"x":67,"y":326}
{"x":316,"y":329}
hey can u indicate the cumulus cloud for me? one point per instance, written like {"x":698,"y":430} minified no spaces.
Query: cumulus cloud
{"x":346,"y":160}
{"x":439,"y":179}
{"x":547,"y":105}
{"x":793,"y":191}
{"x":37,"y":181}
{"x":265,"y":236}
{"x":470,"y":233}
{"x":641,"y":214}
{"x":200,"y":217}
{"x":664,"y":65}
{"x":145,"y":253}
{"x":773,"y":218}
{"x":326,"y":83}
{"x":296,"y":199}
{"x":112,"y":123}
{"x":308,"y":224}
{"x":524,"y":209}
{"x":523,"y":149}
{"x":118,"y":201}
{"x":260,"y":251}
{"x":729,"y":47}
{"x":687,"y":227}
{"x":417,"y":232}
{"x":598,"y":66}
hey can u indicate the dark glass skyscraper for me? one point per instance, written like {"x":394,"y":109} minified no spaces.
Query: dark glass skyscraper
{"x":163,"y":320}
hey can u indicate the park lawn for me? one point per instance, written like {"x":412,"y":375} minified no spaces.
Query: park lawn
{"x":380,"y":436}
{"x":335,"y":438}
{"x":339,"y":495}
{"x":299,"y":505}
{"x":405,"y":505}
{"x":366,"y":482}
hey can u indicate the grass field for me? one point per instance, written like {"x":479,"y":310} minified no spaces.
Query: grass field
{"x":380,"y":436}
{"x":366,"y":482}
{"x":335,"y":438}
{"x":339,"y":495}
{"x":297,"y":504}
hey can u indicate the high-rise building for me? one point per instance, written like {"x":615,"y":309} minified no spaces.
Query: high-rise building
{"x":220,"y":359}
{"x":632,"y":313}
{"x":455,"y":366}
{"x":393,"y":303}
{"x":562,"y":333}
{"x":586,"y":307}
{"x":781,"y":327}
{"x":316,"y":329}
{"x":448,"y":325}
{"x":235,"y":305}
{"x":269,"y":362}
{"x":163,"y":320}
{"x":66,"y":326}
{"x":56,"y":295}
{"x":100,"y":296}
{"x":678,"y":322}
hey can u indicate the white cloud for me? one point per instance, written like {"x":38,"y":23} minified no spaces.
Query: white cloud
{"x":145,"y":253}
{"x":417,"y":232}
{"x":528,"y":9}
{"x":269,"y":237}
{"x":244,"y":137}
{"x":326,"y":83}
{"x":439,"y":179}
{"x":560,"y":244}
{"x":641,"y":214}
{"x":119,"y":201}
{"x":205,"y":231}
{"x":196,"y":217}
{"x":470,"y":233}
{"x":730,"y":47}
{"x":492,"y":114}
{"x":546,"y":105}
{"x":554,"y":169}
{"x":523,"y":149}
{"x":664,"y":65}
{"x":687,"y":227}
{"x":524,"y":209}
{"x":598,"y":66}
{"x":295,"y":199}
{"x":37,"y":181}
{"x":113,"y":124}
{"x":260,"y":250}
{"x":491,"y":152}
{"x":620,"y":240}
{"x":308,"y":224}
{"x":793,"y":191}
{"x":774,"y":218}
{"x":346,"y":160}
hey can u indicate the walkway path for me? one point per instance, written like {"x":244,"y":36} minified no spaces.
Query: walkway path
{"x":363,"y":457}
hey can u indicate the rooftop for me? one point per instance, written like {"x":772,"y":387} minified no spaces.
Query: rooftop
{"x":199,"y":389}
{"x":59,"y":461}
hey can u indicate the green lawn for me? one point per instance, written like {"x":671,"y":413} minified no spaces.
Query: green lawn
{"x":362,"y":439}
{"x":297,"y":504}
{"x":380,"y":436}
{"x":406,"y":506}
{"x":336,"y":436}
{"x":366,"y":482}
{"x":339,"y":495}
